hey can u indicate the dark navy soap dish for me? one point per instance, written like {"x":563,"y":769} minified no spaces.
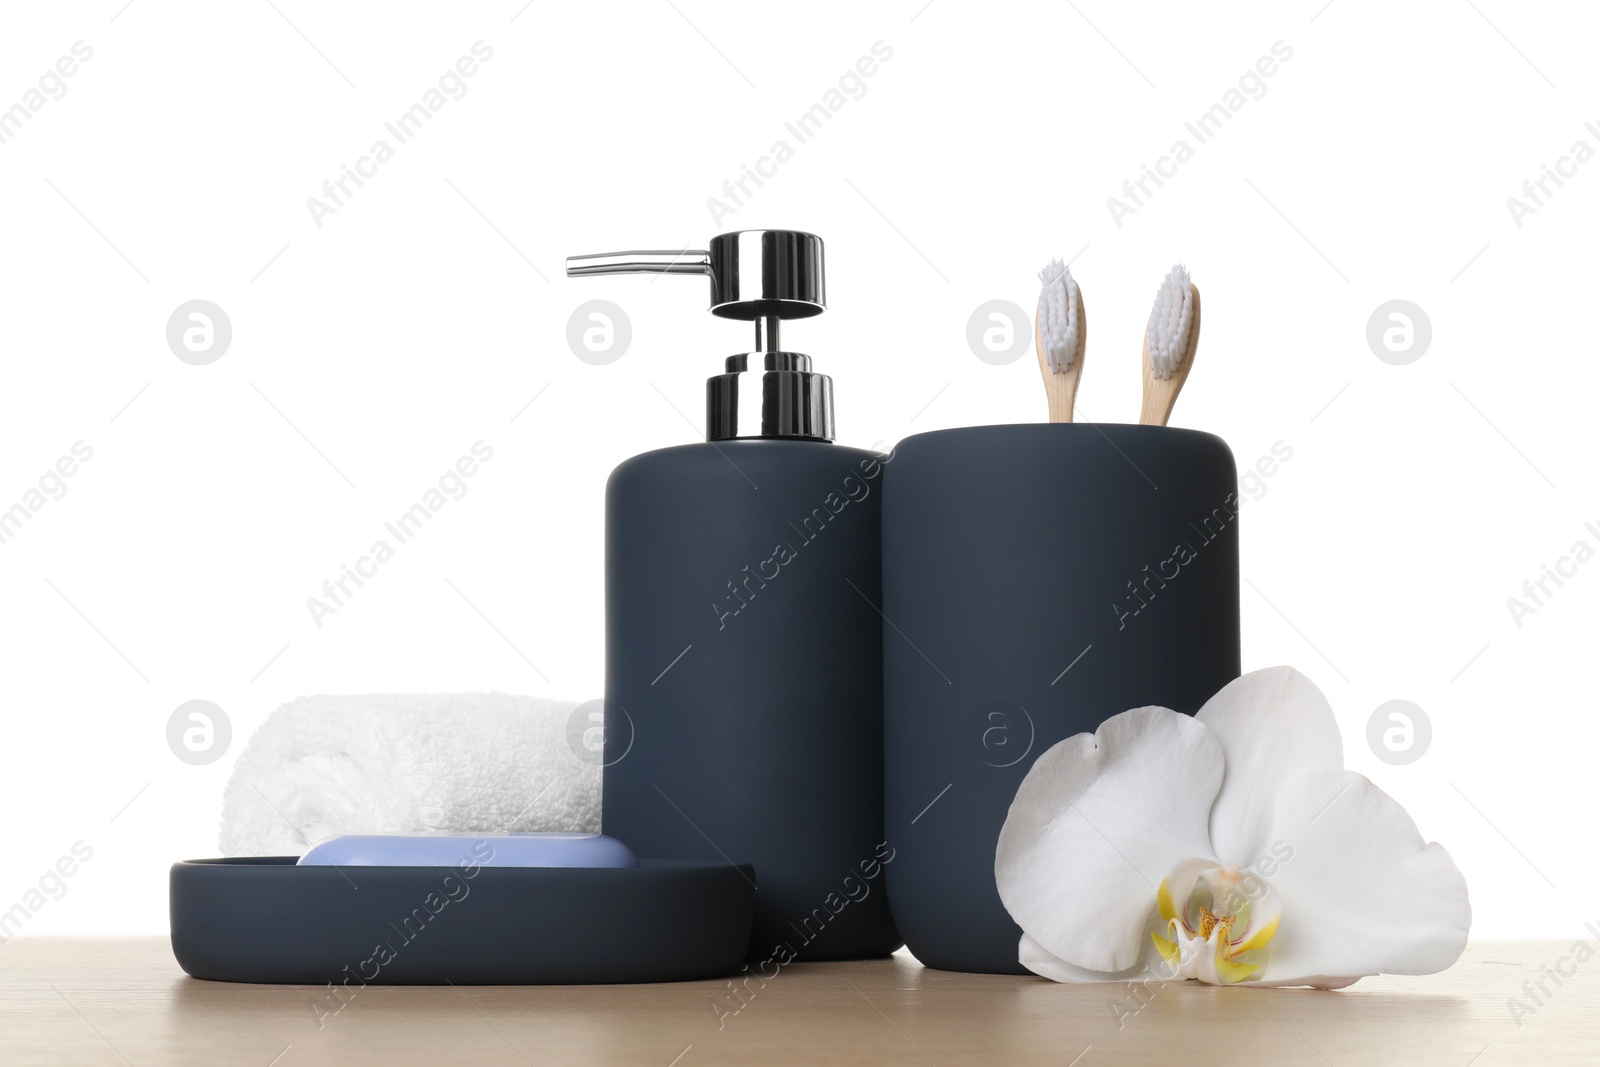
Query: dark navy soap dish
{"x":267,"y":919}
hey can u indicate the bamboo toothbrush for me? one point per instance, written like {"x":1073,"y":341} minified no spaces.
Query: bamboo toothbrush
{"x":1059,"y":335}
{"x":1170,"y":341}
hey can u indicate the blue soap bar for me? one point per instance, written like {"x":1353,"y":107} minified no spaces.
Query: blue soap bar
{"x":484,"y":850}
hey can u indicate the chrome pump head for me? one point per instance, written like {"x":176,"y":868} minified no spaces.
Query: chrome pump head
{"x":760,"y":276}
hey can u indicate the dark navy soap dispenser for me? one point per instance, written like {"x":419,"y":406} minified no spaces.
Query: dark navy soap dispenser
{"x":744,"y":715}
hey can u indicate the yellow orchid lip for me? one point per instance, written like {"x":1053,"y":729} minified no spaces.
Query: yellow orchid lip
{"x":1220,"y":935}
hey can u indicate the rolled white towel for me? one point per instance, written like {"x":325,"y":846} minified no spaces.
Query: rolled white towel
{"x":321,"y":766}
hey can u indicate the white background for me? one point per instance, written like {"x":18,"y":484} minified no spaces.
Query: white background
{"x":369,"y":353}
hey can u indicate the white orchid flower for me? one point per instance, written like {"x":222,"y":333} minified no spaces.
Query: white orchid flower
{"x":1229,"y":846}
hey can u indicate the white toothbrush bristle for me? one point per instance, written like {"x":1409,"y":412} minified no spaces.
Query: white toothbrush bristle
{"x":1060,"y":324}
{"x":1170,"y":323}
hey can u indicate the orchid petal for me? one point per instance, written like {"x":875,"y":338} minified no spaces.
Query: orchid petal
{"x":1096,"y":823}
{"x":1362,"y":892}
{"x":1149,"y":967}
{"x":1273,"y":725}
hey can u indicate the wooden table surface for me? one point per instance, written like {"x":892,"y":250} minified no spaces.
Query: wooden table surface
{"x":123,"y":1001}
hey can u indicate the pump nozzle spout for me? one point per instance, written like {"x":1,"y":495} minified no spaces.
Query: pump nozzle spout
{"x":685,"y":261}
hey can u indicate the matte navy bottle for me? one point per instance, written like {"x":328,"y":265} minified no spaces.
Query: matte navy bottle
{"x":743,"y":647}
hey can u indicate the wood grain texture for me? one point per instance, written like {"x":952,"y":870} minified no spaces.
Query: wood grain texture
{"x":121,"y":1001}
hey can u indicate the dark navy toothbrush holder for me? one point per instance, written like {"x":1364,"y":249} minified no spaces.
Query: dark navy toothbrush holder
{"x":1037,"y":579}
